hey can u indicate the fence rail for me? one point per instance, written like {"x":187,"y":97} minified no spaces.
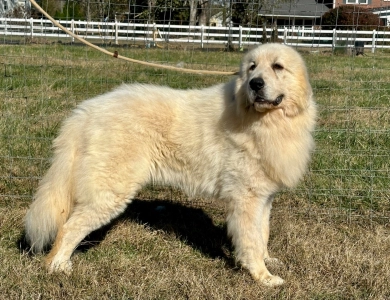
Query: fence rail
{"x":240,"y":36}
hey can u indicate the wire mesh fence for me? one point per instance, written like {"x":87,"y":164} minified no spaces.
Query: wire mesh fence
{"x":203,"y":36}
{"x":43,"y":79}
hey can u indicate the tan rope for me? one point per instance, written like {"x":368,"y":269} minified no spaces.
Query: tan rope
{"x":115,"y":54}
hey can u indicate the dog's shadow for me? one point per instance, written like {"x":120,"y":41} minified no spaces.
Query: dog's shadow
{"x":191,"y":225}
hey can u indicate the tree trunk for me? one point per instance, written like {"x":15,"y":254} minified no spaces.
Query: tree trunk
{"x":204,"y":15}
{"x":193,"y":11}
{"x":151,"y":5}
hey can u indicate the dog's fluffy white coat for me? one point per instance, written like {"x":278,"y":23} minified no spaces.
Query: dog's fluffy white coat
{"x":229,"y":141}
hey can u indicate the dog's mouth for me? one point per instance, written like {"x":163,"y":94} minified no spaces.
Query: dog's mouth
{"x":276,"y":102}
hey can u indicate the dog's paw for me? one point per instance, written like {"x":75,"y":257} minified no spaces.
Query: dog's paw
{"x":60,"y":266}
{"x":267,"y":279}
{"x":272,"y":281}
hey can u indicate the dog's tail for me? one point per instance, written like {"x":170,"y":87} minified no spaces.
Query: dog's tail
{"x":54,"y":198}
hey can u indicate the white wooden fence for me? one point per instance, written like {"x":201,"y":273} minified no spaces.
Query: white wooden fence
{"x":117,"y":32}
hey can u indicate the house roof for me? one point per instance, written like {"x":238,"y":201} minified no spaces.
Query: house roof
{"x":296,"y":8}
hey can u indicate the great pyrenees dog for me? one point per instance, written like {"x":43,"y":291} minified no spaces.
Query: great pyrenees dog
{"x":240,"y":142}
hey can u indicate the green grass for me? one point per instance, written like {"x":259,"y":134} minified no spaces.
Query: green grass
{"x":332,"y":230}
{"x":351,"y":165}
{"x":42,"y":83}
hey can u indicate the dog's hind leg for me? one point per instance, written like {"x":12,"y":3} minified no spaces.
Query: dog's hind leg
{"x":85,"y":218}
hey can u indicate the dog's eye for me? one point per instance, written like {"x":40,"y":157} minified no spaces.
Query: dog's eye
{"x":277,"y":67}
{"x":252,"y":67}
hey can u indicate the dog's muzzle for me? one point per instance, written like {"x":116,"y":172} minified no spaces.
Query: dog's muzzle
{"x":257,"y":85}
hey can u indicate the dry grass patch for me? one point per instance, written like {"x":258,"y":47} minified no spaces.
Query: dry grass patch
{"x":181,"y":252}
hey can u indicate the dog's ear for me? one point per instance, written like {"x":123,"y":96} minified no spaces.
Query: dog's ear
{"x":240,"y":93}
{"x":243,"y":66}
{"x":238,"y":87}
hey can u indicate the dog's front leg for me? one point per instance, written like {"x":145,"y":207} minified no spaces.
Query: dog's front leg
{"x":249,"y":232}
{"x":266,"y":211}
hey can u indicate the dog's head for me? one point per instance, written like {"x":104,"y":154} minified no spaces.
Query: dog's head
{"x":274,"y":76}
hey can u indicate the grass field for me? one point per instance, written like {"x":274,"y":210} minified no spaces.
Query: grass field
{"x":331,"y":233}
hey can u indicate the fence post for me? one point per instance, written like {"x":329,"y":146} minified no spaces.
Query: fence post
{"x":285,"y":35}
{"x":116,"y":32}
{"x":167,"y":33}
{"x":201,"y":36}
{"x":31,"y":27}
{"x":334,"y":38}
{"x":230,"y":42}
{"x":373,"y":41}
{"x":240,"y":37}
{"x":72,"y":28}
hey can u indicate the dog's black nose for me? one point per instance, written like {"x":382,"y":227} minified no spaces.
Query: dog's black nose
{"x":256,"y":84}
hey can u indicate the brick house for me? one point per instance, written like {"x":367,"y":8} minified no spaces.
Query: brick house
{"x":379,"y":7}
{"x":309,"y":12}
{"x":370,"y":4}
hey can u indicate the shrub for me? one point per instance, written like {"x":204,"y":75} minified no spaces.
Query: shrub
{"x":350,"y":17}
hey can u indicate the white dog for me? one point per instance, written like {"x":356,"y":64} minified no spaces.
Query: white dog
{"x":241,"y":142}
